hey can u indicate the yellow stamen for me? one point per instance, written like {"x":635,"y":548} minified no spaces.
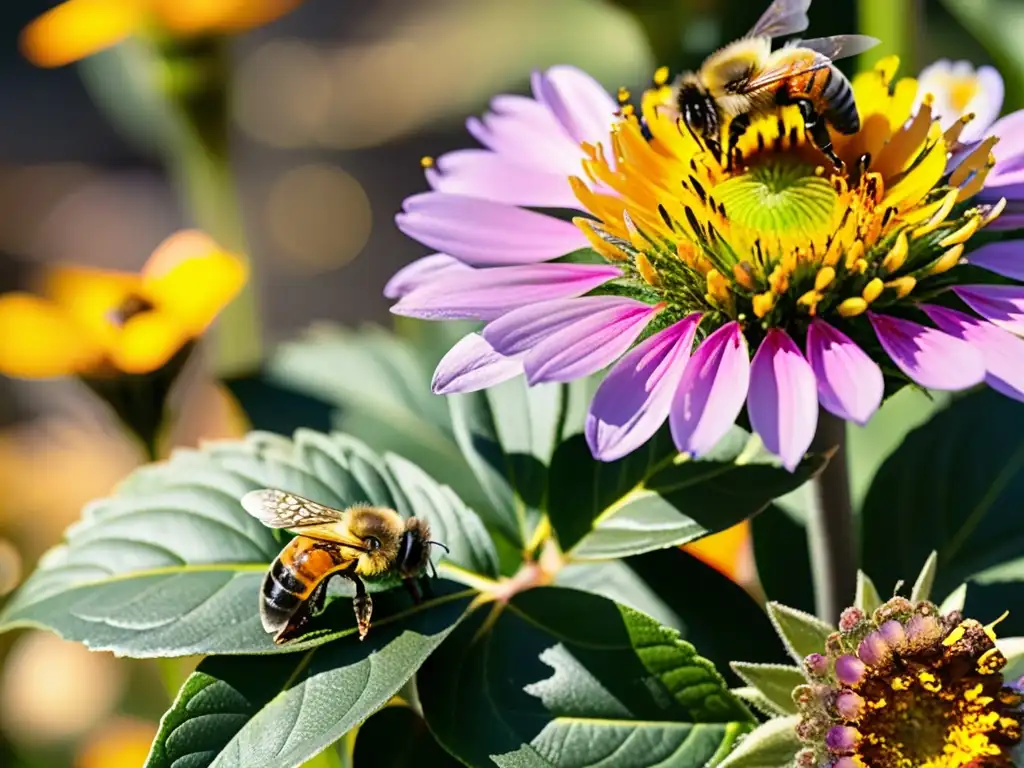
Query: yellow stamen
{"x":938,"y":217}
{"x":810,"y":300}
{"x":854,"y":253}
{"x":903,"y":286}
{"x":589,"y":229}
{"x":623,"y":95}
{"x":961,"y":235}
{"x":990,"y":629}
{"x":973,"y":162}
{"x":426,"y":161}
{"x":824,"y":278}
{"x":779,"y":280}
{"x":743,"y":273}
{"x":647,"y":270}
{"x":994,"y":212}
{"x":873,"y":290}
{"x":763,"y":303}
{"x":718,"y":286}
{"x":661,"y":76}
{"x":945,"y":262}
{"x":635,"y":236}
{"x":860,"y":266}
{"x":955,"y":636}
{"x":952,"y":135}
{"x":852,"y":307}
{"x":897,"y":256}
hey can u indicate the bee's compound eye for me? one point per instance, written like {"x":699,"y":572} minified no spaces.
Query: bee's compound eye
{"x":372,"y":543}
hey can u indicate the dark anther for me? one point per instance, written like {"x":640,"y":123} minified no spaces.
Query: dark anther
{"x":132,"y":305}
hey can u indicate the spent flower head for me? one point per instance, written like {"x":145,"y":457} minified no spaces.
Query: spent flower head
{"x":771,"y":280}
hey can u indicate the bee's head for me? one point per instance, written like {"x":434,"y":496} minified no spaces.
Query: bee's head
{"x":414,"y":548}
{"x":697,"y":108}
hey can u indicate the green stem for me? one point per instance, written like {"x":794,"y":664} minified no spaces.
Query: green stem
{"x":329,"y":758}
{"x":830,"y":530}
{"x":899,"y":24}
{"x":196,"y":82}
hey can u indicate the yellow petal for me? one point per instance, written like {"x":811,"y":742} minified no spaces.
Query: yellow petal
{"x":726,"y":551}
{"x":190,"y":277}
{"x":90,"y":296}
{"x":39,"y":341}
{"x":190,"y":17}
{"x":79,"y":28}
{"x":147,"y":341}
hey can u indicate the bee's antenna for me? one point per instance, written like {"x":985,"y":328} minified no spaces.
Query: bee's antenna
{"x":442,"y":546}
{"x":433,"y":568}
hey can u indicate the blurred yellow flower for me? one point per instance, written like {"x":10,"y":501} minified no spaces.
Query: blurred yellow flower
{"x":96,"y":322}
{"x":121,"y":743}
{"x":79,"y":28}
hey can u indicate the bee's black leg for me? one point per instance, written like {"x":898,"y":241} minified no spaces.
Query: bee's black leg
{"x":363,"y":606}
{"x":817,"y":129}
{"x":412,"y":587}
{"x":318,"y":597}
{"x":296,"y":624}
{"x":428,"y":590}
{"x":737,"y":128}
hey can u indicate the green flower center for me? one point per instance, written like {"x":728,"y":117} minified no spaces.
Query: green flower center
{"x":779,"y":197}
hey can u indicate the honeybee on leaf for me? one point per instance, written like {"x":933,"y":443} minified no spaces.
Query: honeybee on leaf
{"x":355,"y":543}
{"x":746,"y":79}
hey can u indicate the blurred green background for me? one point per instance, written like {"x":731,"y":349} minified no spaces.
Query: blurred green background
{"x":333,"y":106}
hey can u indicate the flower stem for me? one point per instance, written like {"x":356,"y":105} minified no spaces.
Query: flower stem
{"x":196,"y":80}
{"x":898,"y":24}
{"x":830,"y":531}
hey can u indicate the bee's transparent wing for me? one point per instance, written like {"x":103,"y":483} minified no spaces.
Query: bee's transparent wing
{"x":279,"y":509}
{"x":838,"y":46}
{"x":783,"y":17}
{"x":828,"y":49}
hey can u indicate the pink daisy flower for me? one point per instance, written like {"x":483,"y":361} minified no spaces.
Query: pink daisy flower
{"x":777,"y":284}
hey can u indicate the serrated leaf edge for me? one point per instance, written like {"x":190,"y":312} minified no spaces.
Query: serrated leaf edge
{"x":807,"y":619}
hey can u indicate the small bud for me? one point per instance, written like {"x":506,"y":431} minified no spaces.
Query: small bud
{"x":850,"y":618}
{"x":806,"y":758}
{"x":816,"y":665}
{"x":834,"y":644}
{"x":893,"y":633}
{"x":824,"y":278}
{"x":852,"y":307}
{"x":872,"y":290}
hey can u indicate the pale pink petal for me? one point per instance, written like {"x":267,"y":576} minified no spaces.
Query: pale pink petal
{"x":530,"y":135}
{"x":578,"y":101}
{"x":484,"y":233}
{"x":1009,"y":151}
{"x":929,"y":357}
{"x":1003,"y":352}
{"x":486,"y":294}
{"x":571,"y":339}
{"x":1001,"y":304}
{"x":472,"y":365}
{"x":503,"y":178}
{"x":850,"y":384}
{"x":711,"y":393}
{"x":635,"y":397}
{"x":1005,"y":258}
{"x":422,"y":272}
{"x":782,"y":402}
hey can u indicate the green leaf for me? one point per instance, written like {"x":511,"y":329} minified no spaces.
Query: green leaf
{"x":1013,"y":650}
{"x":867,"y":598}
{"x":955,"y":600}
{"x":379,"y":383}
{"x":171,"y":565}
{"x":653,"y":499}
{"x":278,"y":711}
{"x":507,"y":434}
{"x":922,"y":589}
{"x":782,"y":558}
{"x":564,"y":678}
{"x":801,"y":633}
{"x":396,"y":737}
{"x":773,"y":745}
{"x":775,"y":681}
{"x":954,"y":486}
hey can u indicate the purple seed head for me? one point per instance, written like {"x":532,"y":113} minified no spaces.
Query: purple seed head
{"x":849,"y":705}
{"x":893,"y":633}
{"x":850,"y":670}
{"x":841,"y":738}
{"x":873,"y":650}
{"x":922,"y":629}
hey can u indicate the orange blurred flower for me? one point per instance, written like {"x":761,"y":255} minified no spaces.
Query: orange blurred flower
{"x":729,"y":551}
{"x":121,"y":743}
{"x":79,"y":28}
{"x":96,"y":322}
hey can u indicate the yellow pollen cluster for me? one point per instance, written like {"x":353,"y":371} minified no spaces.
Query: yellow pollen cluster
{"x":782,"y":234}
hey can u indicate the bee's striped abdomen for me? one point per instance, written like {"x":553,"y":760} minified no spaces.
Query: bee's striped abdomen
{"x":839,"y":105}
